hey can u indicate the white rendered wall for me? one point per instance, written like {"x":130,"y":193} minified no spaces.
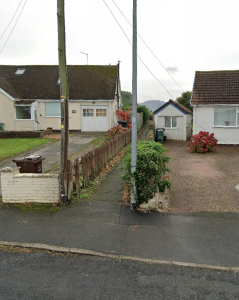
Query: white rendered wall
{"x":29,"y":187}
{"x":178,"y":133}
{"x":203,"y":120}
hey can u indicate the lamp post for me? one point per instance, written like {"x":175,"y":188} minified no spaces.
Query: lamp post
{"x":86,"y":56}
{"x":134,"y":105}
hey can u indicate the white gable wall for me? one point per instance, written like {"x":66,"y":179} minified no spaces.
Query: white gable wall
{"x":183,"y":129}
{"x":203,"y":117}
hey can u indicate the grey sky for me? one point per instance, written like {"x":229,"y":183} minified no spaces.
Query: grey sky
{"x":186,"y":36}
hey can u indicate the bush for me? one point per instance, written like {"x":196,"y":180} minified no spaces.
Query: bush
{"x":203,"y":142}
{"x":117,"y":129}
{"x":149,"y":176}
{"x":145,"y":112}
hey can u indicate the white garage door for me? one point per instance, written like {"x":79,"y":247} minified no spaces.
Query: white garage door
{"x":94,"y":118}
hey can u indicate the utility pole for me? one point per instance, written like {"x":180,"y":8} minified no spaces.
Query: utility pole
{"x":134,"y":105}
{"x":64,"y":96}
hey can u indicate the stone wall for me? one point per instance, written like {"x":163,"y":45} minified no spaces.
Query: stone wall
{"x":29,"y":187}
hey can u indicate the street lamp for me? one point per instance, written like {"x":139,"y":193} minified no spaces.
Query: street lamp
{"x":86,"y":56}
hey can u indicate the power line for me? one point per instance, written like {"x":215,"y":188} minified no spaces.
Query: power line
{"x":11,"y":19}
{"x":137,"y":54}
{"x":14,"y":25}
{"x":207,"y":130}
{"x":147,"y":46}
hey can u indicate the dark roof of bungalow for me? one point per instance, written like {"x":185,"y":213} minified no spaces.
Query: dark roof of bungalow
{"x":176,"y":104}
{"x":86,"y":82}
{"x":216,"y":87}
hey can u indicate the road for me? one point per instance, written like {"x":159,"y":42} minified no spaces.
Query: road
{"x":41,"y":275}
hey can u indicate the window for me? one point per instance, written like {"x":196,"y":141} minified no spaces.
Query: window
{"x":171,"y":122}
{"x":100,"y":112}
{"x":88,"y":112}
{"x":226,"y":116}
{"x":23,"y":112}
{"x":20,"y":71}
{"x":52,"y":109}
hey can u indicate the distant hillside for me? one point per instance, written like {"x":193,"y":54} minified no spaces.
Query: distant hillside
{"x":126,"y":98}
{"x":152,"y":104}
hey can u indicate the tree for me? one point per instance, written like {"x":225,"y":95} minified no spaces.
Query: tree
{"x":184,"y":99}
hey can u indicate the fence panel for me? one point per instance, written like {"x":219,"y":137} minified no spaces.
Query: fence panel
{"x":93,"y":162}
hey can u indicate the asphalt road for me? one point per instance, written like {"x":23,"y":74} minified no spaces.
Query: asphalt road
{"x":51,"y":276}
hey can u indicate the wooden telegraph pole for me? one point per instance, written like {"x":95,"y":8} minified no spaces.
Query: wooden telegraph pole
{"x":64,"y":95}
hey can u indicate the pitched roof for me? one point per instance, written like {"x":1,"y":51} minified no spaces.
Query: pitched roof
{"x":178,"y":105}
{"x":8,"y":88}
{"x":40,"y":82}
{"x":216,"y":87}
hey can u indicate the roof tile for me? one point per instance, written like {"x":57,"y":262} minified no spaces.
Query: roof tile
{"x":86,"y":82}
{"x":216,"y":87}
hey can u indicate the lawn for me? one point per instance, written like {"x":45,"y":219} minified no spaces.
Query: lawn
{"x":11,"y":147}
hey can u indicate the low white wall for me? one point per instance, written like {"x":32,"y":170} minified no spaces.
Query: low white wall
{"x":28,"y":187}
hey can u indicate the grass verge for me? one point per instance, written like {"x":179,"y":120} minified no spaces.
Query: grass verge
{"x":14,"y":146}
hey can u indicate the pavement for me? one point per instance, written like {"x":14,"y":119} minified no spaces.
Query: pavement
{"x":104,"y":226}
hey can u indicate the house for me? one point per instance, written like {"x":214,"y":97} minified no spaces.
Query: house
{"x":175,"y":119}
{"x":215,"y":102}
{"x":30,"y":97}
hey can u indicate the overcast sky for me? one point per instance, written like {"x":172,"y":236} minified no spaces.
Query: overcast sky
{"x":184,"y":35}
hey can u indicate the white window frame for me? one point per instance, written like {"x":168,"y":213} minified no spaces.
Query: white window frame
{"x":23,"y":105}
{"x":171,"y":122}
{"x":52,"y":116}
{"x":236,"y":120}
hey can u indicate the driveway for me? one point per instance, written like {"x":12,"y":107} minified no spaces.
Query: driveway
{"x":203,"y":182}
{"x":51,"y":153}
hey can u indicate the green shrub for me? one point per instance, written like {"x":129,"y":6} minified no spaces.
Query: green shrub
{"x":149,"y":175}
{"x":145,"y":112}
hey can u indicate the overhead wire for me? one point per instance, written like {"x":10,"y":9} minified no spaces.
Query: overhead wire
{"x":137,"y":54}
{"x":207,"y":130}
{"x":148,"y":47}
{"x":11,"y":20}
{"x":14,"y":24}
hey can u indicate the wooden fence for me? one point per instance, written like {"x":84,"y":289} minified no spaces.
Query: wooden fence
{"x":92,"y":163}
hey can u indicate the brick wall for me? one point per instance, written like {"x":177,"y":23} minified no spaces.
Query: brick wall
{"x":29,"y":187}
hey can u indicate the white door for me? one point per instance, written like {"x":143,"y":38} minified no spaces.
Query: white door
{"x":35,"y":116}
{"x":94,"y":118}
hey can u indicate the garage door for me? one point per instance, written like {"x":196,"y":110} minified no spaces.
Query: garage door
{"x":94,"y":118}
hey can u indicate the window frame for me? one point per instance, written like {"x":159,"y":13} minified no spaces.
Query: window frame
{"x":101,"y":112}
{"x":236,"y":117}
{"x":52,"y":116}
{"x":88,"y":112}
{"x":23,"y":105}
{"x":171,"y":122}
